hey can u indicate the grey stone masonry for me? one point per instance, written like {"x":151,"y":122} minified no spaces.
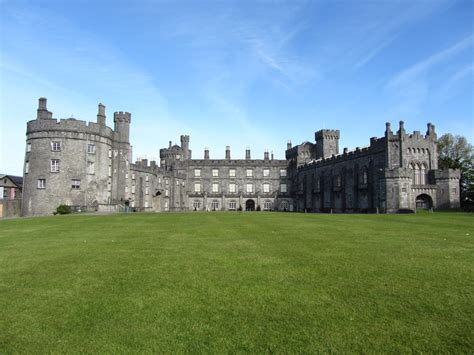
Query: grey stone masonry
{"x":87,"y":165}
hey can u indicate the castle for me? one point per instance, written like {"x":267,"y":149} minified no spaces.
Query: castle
{"x":88,"y":166}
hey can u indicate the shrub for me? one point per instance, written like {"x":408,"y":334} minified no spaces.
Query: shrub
{"x":63,"y":209}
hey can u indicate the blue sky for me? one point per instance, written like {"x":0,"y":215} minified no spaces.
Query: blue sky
{"x":243,"y":73}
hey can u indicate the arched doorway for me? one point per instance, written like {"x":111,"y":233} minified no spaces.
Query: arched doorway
{"x":250,"y":205}
{"x":424,"y":201}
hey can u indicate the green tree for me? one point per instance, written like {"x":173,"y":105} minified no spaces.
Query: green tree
{"x":455,"y":152}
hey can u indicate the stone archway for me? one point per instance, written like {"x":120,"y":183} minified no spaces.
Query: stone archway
{"x":250,"y":205}
{"x":424,"y":202}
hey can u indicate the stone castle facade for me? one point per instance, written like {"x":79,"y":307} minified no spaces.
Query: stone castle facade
{"x":89,"y":166}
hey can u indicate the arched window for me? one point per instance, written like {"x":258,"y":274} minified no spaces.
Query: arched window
{"x":364,"y":176}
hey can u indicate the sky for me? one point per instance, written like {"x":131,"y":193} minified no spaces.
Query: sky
{"x":240,"y":73}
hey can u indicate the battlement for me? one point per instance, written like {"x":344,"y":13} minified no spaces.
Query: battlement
{"x":333,"y":134}
{"x":122,"y":117}
{"x":429,"y":136}
{"x":144,"y":166}
{"x":68,"y":125}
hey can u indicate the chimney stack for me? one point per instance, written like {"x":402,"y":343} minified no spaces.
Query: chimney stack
{"x":227,"y":152}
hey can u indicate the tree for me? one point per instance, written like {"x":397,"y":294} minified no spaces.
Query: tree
{"x":455,"y":152}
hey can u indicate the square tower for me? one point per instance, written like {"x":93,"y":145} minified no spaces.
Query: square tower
{"x":327,"y":143}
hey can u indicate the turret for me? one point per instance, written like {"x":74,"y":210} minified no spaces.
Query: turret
{"x":288,"y":145}
{"x":42,"y":112}
{"x":122,"y":125}
{"x":101,"y":115}
{"x":430,"y":132}
{"x":327,"y":143}
{"x":401,"y":130}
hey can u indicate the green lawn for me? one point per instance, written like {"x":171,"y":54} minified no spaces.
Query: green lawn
{"x":237,"y":282}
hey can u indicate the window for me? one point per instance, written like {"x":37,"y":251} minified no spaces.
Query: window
{"x":91,"y":148}
{"x":196,"y":205}
{"x":284,"y":206}
{"x":56,"y":146}
{"x":364,"y":177}
{"x":282,"y":172}
{"x":146,"y":190}
{"x":249,"y":173}
{"x":90,"y":167}
{"x":132,"y":204}
{"x":133,"y":189}
{"x":249,"y":188}
{"x":266,"y":172}
{"x":167,"y":192}
{"x":167,"y":182}
{"x":232,"y":205}
{"x":76,"y":184}
{"x":146,"y":204}
{"x":232,"y":188}
{"x":215,"y":187}
{"x":41,"y":183}
{"x":166,"y":205}
{"x":214,"y":205}
{"x":283,"y":188}
{"x":27,"y":167}
{"x":215,"y":172}
{"x":133,"y":176}
{"x":267,"y":205}
{"x":55,"y":165}
{"x":110,"y":153}
{"x":28,"y":147}
{"x":146,"y":178}
{"x":266,"y":188}
{"x":232,"y":172}
{"x":110,"y":170}
{"x":337,"y":181}
{"x":126,"y":189}
{"x":126,"y":176}
{"x":197,"y":172}
{"x":197,"y":187}
{"x":422,"y":174}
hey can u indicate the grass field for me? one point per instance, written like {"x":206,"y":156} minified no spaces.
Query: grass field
{"x":237,"y":282}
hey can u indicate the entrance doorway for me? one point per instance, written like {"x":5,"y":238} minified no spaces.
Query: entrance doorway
{"x":250,"y":205}
{"x":424,"y":202}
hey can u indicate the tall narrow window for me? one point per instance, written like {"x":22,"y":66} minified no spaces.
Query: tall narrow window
{"x":197,"y":187}
{"x":283,"y":188}
{"x":266,"y":188}
{"x":41,"y":183}
{"x":232,"y":188}
{"x":28,"y":147}
{"x":249,"y":188}
{"x":27,"y":167}
{"x":215,"y":187}
{"x":422,"y":174}
{"x":54,"y":165}
{"x":417,"y":174}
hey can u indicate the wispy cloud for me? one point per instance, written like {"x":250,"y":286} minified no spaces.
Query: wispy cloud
{"x":409,"y":75}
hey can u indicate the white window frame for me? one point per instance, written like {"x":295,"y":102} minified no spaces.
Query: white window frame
{"x":197,"y":172}
{"x":146,"y":191}
{"x":283,"y":188}
{"x":215,"y":187}
{"x":249,"y":173}
{"x":266,"y":172}
{"x":196,"y":205}
{"x":249,"y":188}
{"x":232,"y":172}
{"x":54,"y":166}
{"x":266,"y":188}
{"x":197,"y":187}
{"x":76,"y":184}
{"x":91,"y":148}
{"x":214,"y":205}
{"x":167,"y":192}
{"x":232,"y":188}
{"x":56,"y":146}
{"x":28,"y":147}
{"x":232,"y":205}
{"x":267,"y":205}
{"x":215,"y":172}
{"x":282,"y":172}
{"x":133,"y":189}
{"x":27,"y":166}
{"x":41,"y":183}
{"x":90,"y":167}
